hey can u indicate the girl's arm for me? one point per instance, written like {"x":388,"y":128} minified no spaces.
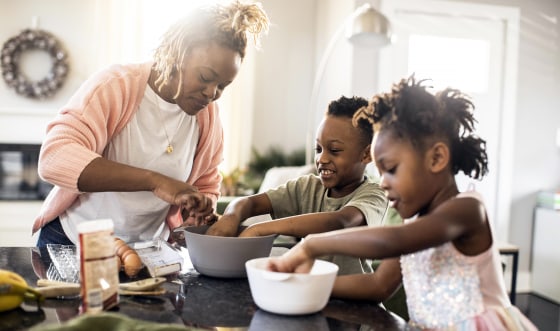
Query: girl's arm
{"x":462,"y":220}
{"x":239,"y":210}
{"x":458,"y":219}
{"x":377,"y":286}
{"x":302,"y":225}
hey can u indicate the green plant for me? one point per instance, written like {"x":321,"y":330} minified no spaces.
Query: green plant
{"x":232,"y":183}
{"x":274,"y":156}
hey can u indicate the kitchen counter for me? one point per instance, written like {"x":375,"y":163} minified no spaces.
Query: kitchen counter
{"x":191,"y":299}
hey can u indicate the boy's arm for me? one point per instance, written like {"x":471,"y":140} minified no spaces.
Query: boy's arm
{"x":377,"y":286}
{"x":239,"y":210}
{"x":302,"y":225}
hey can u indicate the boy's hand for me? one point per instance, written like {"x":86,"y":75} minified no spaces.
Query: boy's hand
{"x":225,"y":226}
{"x":253,"y":231}
{"x":177,"y":234}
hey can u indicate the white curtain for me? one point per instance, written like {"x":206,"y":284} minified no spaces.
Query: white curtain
{"x":118,"y":32}
{"x":236,"y":111}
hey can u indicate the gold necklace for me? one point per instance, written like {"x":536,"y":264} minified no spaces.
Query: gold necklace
{"x":169,"y":148}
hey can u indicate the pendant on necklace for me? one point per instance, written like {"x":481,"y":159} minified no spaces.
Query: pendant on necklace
{"x":169,"y":149}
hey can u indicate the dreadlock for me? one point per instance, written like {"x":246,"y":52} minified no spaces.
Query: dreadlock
{"x":226,"y":24}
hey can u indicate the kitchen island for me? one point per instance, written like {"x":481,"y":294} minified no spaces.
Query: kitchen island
{"x":191,"y":299}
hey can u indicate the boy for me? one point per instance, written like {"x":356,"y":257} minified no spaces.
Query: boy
{"x":340,"y":196}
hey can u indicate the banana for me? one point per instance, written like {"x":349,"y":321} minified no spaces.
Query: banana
{"x":10,"y":301}
{"x":13,"y":275}
{"x":14,"y":290}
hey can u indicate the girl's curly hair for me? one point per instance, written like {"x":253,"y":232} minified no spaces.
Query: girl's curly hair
{"x":412,"y":113}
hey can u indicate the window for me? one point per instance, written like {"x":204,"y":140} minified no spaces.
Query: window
{"x":456,"y":62}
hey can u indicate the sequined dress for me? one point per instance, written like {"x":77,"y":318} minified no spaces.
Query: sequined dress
{"x":447,"y":290}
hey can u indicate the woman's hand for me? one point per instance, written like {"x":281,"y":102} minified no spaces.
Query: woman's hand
{"x":197,"y":219}
{"x":196,"y":207}
{"x":226,"y":226}
{"x":197,"y":210}
{"x":103,"y":175}
{"x":176,"y":192}
{"x":296,"y":260}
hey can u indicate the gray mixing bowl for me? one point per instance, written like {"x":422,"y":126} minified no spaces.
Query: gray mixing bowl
{"x":224,"y":257}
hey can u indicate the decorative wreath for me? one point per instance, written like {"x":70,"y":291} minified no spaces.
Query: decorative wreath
{"x":34,"y":39}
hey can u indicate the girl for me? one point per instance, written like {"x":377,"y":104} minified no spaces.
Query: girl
{"x":445,"y":253}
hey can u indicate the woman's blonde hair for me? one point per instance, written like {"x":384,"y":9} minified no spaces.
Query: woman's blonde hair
{"x":226,"y":24}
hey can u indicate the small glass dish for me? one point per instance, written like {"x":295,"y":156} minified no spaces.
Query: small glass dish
{"x":65,"y":261}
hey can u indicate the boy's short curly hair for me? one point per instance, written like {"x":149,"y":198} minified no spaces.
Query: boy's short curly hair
{"x":347,"y":107}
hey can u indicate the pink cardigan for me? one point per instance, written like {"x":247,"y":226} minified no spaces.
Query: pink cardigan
{"x":99,"y":110}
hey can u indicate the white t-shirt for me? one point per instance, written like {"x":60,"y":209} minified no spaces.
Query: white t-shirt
{"x":140,"y":216}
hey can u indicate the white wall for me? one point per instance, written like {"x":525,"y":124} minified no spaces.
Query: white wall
{"x":536,"y":157}
{"x":287,"y":64}
{"x":283,"y":76}
{"x":23,"y":119}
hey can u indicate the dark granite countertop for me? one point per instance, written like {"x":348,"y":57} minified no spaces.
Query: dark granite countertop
{"x":191,"y":299}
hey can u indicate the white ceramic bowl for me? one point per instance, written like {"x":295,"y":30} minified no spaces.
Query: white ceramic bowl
{"x":224,"y":257}
{"x":291,"y":293}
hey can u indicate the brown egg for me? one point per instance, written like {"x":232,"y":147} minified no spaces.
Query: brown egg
{"x":118,"y":244}
{"x":127,"y":252}
{"x":132,"y":264}
{"x":121,"y":249}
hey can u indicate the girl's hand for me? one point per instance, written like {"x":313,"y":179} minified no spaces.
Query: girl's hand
{"x":295,"y":260}
{"x":226,"y":226}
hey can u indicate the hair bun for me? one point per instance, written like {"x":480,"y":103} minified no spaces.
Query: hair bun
{"x":248,"y":18}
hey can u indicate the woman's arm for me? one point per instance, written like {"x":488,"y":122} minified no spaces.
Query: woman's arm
{"x":103,"y":175}
{"x":80,"y":132}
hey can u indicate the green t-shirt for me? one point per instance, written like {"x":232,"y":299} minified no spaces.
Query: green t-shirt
{"x":306,"y":194}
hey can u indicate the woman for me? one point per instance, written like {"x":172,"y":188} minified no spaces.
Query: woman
{"x":141,"y":143}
